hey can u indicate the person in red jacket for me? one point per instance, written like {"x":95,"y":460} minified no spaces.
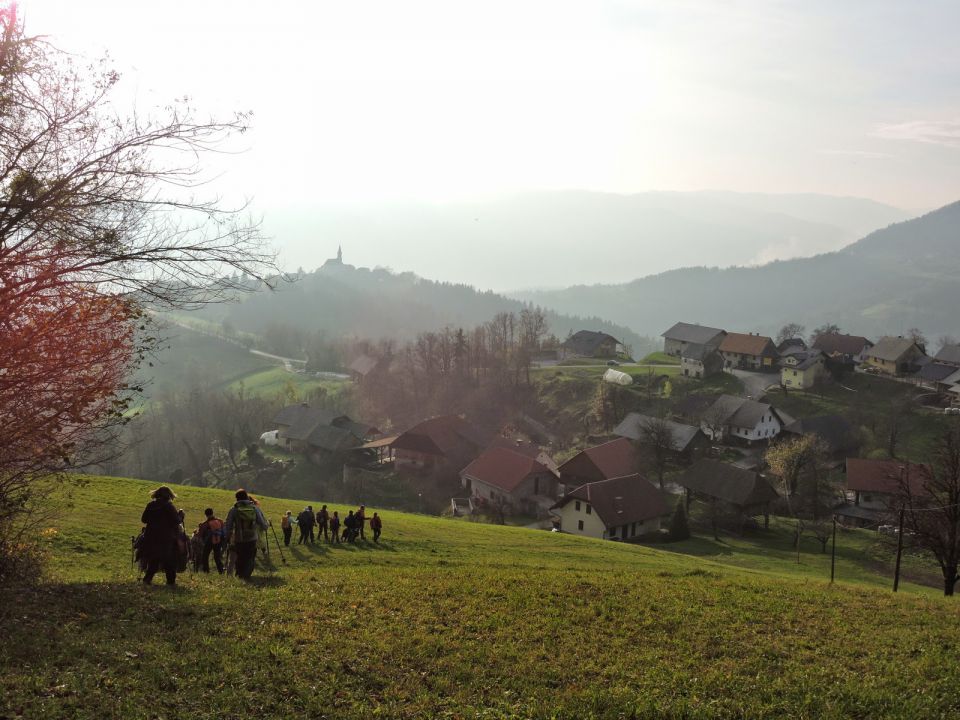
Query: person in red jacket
{"x":376,"y":524}
{"x":211,"y":530}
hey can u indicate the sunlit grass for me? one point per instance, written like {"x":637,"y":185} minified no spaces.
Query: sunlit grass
{"x":456,"y":619}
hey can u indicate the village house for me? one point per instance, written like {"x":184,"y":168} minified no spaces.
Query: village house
{"x":748,"y":352}
{"x":800,"y":370}
{"x":688,"y":440}
{"x":616,"y":458}
{"x":616,"y":509}
{"x":954,"y":389}
{"x":700,"y":361}
{"x":364,"y":366}
{"x":319,"y":433}
{"x":691,"y":407}
{"x":589,"y":344}
{"x":447,"y":442}
{"x":872,"y":487}
{"x":836,"y":433}
{"x":949,"y":354}
{"x":296,"y":423}
{"x":894,"y":356}
{"x":678,"y":337}
{"x":514,"y":480}
{"x":729,"y":489}
{"x":733,"y":417}
{"x":791,"y":345}
{"x":842,"y":348}
{"x":936,"y":376}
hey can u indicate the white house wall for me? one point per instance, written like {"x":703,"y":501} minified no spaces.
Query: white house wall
{"x":570,"y":518}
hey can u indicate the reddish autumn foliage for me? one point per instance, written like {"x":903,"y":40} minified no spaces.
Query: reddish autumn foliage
{"x":65,"y":352}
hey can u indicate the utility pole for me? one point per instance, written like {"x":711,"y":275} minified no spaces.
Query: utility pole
{"x":833,"y":550}
{"x":896,"y":572}
{"x":798,"y":541}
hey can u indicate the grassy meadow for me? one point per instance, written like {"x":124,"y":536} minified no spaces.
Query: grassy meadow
{"x":455,"y":619}
{"x":868,"y":401}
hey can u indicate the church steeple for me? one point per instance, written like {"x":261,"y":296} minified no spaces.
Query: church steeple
{"x":340,"y":254}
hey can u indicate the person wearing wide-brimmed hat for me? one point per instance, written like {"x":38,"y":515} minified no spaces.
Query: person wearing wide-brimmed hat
{"x":159,"y":544}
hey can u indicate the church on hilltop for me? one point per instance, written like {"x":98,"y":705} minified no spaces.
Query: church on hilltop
{"x":336,"y":262}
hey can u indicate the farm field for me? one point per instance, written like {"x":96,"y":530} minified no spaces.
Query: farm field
{"x":276,"y":381}
{"x":456,"y":619}
{"x":867,"y":401}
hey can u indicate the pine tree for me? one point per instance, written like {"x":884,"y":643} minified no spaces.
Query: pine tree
{"x":679,"y":528}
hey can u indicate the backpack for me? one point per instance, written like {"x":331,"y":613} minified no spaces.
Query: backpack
{"x":182,"y":551}
{"x":245,"y":523}
{"x":215,"y":530}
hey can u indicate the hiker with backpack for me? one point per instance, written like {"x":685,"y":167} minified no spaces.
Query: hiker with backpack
{"x":305,"y":523}
{"x":286,"y":524}
{"x":335,"y":528}
{"x":350,"y":527}
{"x":360,"y":517}
{"x":376,"y":525}
{"x":212,"y":532}
{"x":244,"y":523}
{"x":323,"y":522}
{"x":196,"y":548}
{"x":159,"y":544}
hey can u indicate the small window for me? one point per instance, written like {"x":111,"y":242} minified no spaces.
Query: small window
{"x":577,"y":507}
{"x":580,"y":525}
{"x":588,"y":509}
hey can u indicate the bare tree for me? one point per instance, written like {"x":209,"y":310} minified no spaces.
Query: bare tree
{"x":99,"y":219}
{"x":790,"y":331}
{"x":657,"y":445}
{"x":917,"y":336}
{"x":895,"y":419}
{"x":931,"y":505}
{"x":714,"y":421}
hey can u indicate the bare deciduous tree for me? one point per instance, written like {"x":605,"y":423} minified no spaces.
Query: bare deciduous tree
{"x":657,"y":445}
{"x":98,"y":210}
{"x":931,"y":505}
{"x":790,"y":331}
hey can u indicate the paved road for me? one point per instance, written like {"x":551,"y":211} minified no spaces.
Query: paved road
{"x":755,"y":384}
{"x":621,"y":366}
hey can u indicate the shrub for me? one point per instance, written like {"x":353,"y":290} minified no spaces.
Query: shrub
{"x":21,"y":562}
{"x":679,"y":528}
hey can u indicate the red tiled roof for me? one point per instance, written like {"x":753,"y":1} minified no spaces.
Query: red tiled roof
{"x":882,"y":476}
{"x":837,"y":344}
{"x":503,"y":468}
{"x":441,"y":436}
{"x":621,"y":500}
{"x":616,"y":458}
{"x":748,"y":344}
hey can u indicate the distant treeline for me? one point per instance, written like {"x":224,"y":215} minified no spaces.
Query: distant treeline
{"x":343,"y":301}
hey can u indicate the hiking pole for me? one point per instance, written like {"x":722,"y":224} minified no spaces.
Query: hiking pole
{"x":277,"y":540}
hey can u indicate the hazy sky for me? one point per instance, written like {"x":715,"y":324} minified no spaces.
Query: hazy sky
{"x":357,"y":101}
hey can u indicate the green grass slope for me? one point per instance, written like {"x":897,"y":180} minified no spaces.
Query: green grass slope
{"x":459,"y":620}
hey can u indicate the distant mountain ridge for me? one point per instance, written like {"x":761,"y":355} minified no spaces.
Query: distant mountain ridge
{"x":905,"y":275}
{"x":556,"y":239}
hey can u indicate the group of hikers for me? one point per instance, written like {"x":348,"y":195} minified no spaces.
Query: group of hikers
{"x":233,"y":543}
{"x":328,"y":524}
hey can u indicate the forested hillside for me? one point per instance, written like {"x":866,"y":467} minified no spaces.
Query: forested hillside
{"x":344,"y":301}
{"x":900,"y":277}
